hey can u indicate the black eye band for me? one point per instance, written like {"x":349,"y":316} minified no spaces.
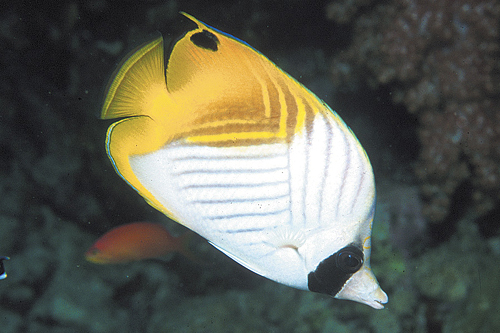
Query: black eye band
{"x":333,"y":272}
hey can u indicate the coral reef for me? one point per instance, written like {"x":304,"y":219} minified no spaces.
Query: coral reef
{"x":454,"y":275}
{"x":440,"y":60}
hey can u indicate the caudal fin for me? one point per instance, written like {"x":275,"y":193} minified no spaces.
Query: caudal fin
{"x":138,"y":82}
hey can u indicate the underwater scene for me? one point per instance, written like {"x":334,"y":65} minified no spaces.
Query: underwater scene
{"x":250,"y":166}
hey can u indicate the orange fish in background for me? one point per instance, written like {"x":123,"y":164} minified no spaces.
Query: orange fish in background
{"x":137,"y":241}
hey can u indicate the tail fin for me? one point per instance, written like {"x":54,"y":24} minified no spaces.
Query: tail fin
{"x":138,"y":82}
{"x":138,"y":94}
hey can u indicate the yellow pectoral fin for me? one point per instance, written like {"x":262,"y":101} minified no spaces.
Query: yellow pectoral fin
{"x":134,"y":136}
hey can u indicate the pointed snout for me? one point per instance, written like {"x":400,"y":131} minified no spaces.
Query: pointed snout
{"x":363,"y":287}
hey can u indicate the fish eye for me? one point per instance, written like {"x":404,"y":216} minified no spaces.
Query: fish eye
{"x":350,"y":259}
{"x":332,"y":273}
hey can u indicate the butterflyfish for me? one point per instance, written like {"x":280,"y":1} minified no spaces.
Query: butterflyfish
{"x":224,"y":142}
{"x":3,"y":274}
{"x":136,"y":241}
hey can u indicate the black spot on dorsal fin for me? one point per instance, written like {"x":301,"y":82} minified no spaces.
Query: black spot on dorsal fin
{"x":205,"y":39}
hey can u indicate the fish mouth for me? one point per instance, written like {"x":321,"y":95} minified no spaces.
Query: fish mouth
{"x":377,"y":300}
{"x":364,"y":288}
{"x":376,"y":304}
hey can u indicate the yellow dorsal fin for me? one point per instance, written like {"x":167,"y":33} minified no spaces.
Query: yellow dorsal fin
{"x":138,"y":83}
{"x":218,"y":68}
{"x":232,"y":93}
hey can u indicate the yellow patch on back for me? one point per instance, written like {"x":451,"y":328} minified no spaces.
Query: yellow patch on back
{"x":214,"y":91}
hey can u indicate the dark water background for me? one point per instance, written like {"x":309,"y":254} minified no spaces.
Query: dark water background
{"x":58,"y":191}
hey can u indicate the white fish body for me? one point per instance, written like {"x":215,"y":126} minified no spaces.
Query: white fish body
{"x":293,"y":202}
